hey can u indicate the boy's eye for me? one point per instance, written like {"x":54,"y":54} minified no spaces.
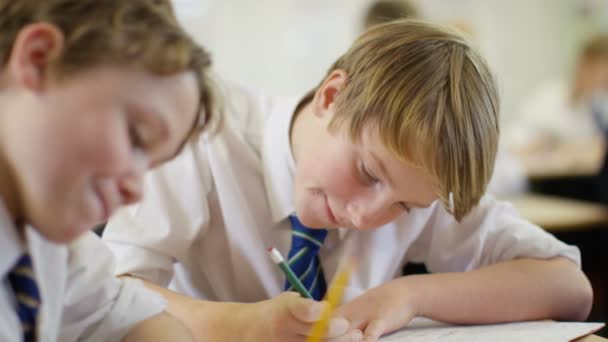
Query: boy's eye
{"x":135,"y":136}
{"x":405,"y":207}
{"x":367,"y":175}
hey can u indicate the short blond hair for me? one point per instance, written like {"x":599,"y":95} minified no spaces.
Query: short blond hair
{"x":433,"y":101}
{"x":139,"y":33}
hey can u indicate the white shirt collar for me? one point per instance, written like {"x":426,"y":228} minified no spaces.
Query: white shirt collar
{"x":10,"y":243}
{"x":278,"y":162}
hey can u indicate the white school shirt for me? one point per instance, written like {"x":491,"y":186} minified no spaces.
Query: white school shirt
{"x":81,"y":299}
{"x":209,"y":215}
{"x":550,"y":113}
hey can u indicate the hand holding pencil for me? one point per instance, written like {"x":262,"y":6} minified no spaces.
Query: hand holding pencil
{"x":302,"y":318}
{"x":287,"y":318}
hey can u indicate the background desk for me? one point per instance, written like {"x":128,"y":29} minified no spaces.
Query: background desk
{"x":580,"y":223}
{"x":592,"y":338}
{"x":567,"y":171}
{"x":574,"y":159}
{"x":556,"y":214}
{"x":550,"y":169}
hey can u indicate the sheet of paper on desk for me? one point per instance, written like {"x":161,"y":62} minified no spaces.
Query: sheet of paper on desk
{"x":421,"y":329}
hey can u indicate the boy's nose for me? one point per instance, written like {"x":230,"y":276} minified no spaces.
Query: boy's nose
{"x":131,"y":183}
{"x":358,"y":215}
{"x":131,"y":189}
{"x":365,"y":211}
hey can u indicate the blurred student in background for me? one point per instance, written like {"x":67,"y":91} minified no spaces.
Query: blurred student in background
{"x":386,"y":10}
{"x":565,"y":118}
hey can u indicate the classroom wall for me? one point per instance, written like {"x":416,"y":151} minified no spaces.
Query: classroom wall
{"x":282,"y":46}
{"x":530,"y":42}
{"x":285,"y":46}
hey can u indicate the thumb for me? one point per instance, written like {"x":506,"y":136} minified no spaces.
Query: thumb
{"x":304,"y":310}
{"x":310,"y":311}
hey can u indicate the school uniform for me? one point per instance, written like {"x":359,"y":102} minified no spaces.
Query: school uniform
{"x":550,"y":113}
{"x":210,"y":214}
{"x":79,"y":297}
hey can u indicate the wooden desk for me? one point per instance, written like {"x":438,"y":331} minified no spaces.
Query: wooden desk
{"x":577,"y":159}
{"x":592,"y":338}
{"x":556,"y":214}
{"x":551,"y":169}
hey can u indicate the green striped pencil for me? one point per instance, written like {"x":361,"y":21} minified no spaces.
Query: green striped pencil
{"x":276,"y":256}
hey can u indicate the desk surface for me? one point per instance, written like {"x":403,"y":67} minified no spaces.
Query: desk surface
{"x":567,"y":160}
{"x":592,"y":338}
{"x":557,"y":214}
{"x":560,"y":214}
{"x":551,"y":169}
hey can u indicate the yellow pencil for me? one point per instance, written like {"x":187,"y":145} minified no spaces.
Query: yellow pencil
{"x":334,"y":296}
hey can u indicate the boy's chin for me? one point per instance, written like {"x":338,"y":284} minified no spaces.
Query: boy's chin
{"x":311,"y":222}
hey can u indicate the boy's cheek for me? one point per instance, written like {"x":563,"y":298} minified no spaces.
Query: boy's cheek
{"x":341,"y":181}
{"x":108,"y":157}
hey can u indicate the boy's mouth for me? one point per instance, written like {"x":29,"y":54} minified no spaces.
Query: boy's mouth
{"x":329,"y":212}
{"x":105,"y":210}
{"x":106,"y":203}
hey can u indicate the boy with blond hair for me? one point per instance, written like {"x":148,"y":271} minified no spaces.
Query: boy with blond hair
{"x":92,"y":93}
{"x":390,"y":153}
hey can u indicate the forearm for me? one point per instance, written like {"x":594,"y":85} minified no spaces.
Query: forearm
{"x":287,"y":317}
{"x":162,"y":327}
{"x":208,"y":321}
{"x":510,"y":291}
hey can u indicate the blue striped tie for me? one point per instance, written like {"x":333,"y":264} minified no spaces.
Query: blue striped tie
{"x":28,"y":297}
{"x":303,"y":257}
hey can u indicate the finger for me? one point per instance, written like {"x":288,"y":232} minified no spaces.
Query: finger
{"x":290,"y":338}
{"x":289,"y":326}
{"x":352,"y":336}
{"x":336,"y":327}
{"x":305,"y":310}
{"x":374,"y":330}
{"x":353,"y":314}
{"x":285,"y":322}
{"x":297,"y":315}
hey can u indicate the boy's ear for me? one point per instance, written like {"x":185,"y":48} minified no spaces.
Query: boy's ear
{"x":325,"y":97}
{"x":35,"y":47}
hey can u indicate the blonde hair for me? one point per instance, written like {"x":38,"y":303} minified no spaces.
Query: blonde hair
{"x":138,"y":33}
{"x":432,"y":100}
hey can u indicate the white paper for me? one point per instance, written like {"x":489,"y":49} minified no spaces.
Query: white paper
{"x":421,"y":329}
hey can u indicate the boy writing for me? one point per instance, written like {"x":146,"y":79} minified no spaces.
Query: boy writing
{"x":392,"y":153}
{"x":92,"y":93}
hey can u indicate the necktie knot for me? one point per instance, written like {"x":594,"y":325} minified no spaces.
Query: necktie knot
{"x":309,"y":236}
{"x":23,"y":282}
{"x":303,"y":257}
